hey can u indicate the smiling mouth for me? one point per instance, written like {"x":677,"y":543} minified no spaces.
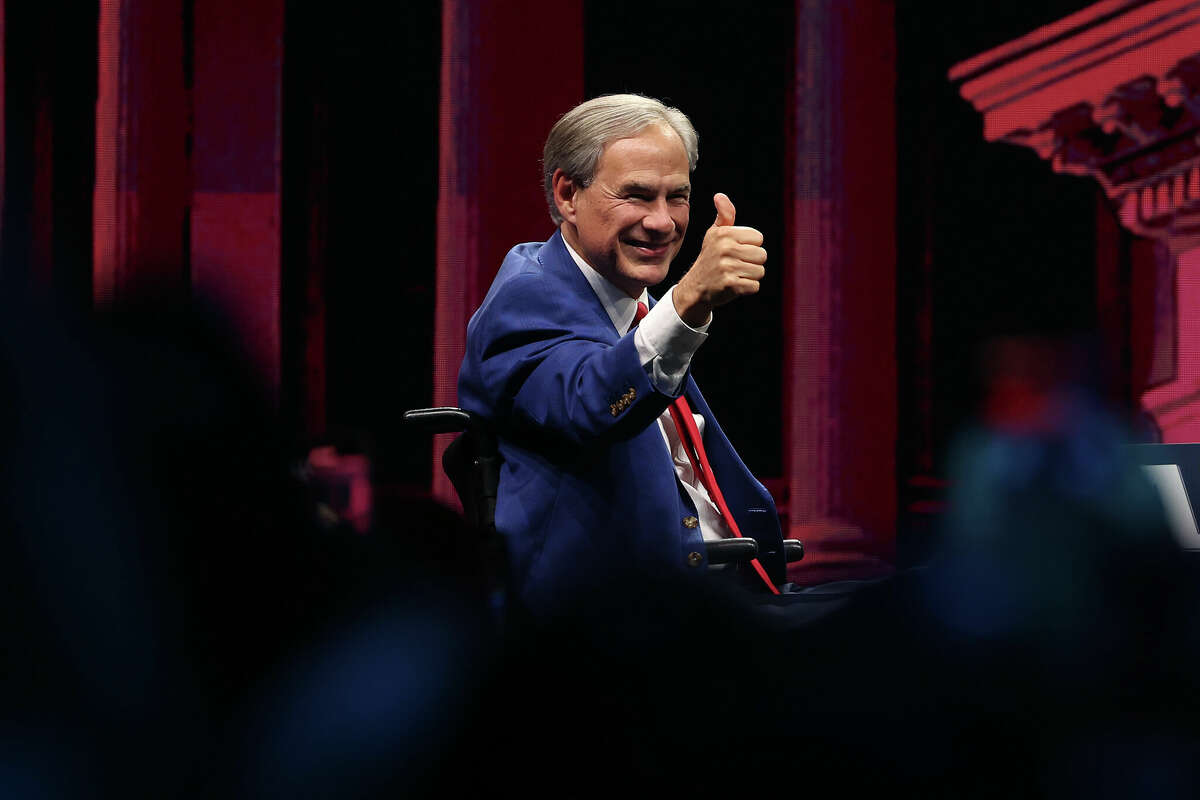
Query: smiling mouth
{"x":651,"y":249}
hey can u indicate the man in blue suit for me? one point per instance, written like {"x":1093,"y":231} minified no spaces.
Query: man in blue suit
{"x":598,"y":488}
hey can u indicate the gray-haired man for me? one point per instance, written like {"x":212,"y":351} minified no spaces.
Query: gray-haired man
{"x":614,"y":465}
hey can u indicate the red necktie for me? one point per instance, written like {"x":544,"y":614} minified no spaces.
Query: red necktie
{"x":693,"y":445}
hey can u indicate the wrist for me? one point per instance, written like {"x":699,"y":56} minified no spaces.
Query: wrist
{"x":694,"y":312}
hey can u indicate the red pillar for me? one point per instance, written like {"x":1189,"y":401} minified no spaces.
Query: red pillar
{"x":1172,"y":400}
{"x":142,"y":174}
{"x":504,"y":84}
{"x":187,"y":162}
{"x":235,"y":239}
{"x":840,"y":401}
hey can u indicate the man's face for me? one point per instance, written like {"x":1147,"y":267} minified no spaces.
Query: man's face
{"x":629,"y":223}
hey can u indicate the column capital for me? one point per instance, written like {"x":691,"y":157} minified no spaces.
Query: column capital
{"x":1111,"y":92}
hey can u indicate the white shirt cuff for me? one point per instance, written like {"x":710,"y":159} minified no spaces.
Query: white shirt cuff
{"x":666,"y":344}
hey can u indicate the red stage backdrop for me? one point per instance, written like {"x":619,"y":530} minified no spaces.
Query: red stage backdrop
{"x":503,"y":87}
{"x":187,"y":191}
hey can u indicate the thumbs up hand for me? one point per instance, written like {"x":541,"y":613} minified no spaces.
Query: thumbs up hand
{"x":725,"y":210}
{"x":730,"y":265}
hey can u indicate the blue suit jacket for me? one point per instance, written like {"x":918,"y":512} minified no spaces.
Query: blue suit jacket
{"x":588,"y":493}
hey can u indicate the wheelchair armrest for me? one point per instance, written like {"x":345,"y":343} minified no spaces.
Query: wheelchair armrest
{"x":793,"y":550}
{"x":449,"y":419}
{"x":439,"y":420}
{"x":471,"y":462}
{"x":728,"y":551}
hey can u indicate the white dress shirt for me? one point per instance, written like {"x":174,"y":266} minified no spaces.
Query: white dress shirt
{"x":666,"y":345}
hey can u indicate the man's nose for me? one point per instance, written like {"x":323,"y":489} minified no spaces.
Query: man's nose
{"x":659,"y":219}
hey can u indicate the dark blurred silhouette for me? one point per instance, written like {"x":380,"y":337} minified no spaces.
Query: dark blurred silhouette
{"x":1049,"y":649}
{"x":170,"y":589}
{"x":183,"y":619}
{"x":1060,"y":593}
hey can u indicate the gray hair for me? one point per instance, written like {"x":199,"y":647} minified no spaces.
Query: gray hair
{"x":580,"y":136}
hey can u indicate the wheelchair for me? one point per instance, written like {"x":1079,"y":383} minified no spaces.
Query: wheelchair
{"x":472,"y":463}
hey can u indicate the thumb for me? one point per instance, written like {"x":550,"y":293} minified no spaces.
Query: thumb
{"x":725,"y":210}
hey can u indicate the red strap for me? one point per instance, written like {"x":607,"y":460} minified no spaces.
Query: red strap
{"x":689,"y":434}
{"x":693,"y":445}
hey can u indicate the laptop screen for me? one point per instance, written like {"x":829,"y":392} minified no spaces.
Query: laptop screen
{"x":1174,"y":469}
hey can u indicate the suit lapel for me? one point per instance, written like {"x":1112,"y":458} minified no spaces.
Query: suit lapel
{"x":562,"y":268}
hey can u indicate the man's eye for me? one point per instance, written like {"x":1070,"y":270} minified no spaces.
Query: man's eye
{"x":679,"y":198}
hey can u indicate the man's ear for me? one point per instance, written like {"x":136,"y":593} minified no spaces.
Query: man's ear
{"x":565,"y":190}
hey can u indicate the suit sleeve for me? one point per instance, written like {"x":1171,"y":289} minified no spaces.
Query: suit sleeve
{"x":531,"y":367}
{"x":667,"y":344}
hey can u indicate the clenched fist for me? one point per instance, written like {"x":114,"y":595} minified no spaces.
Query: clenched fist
{"x":730,"y":265}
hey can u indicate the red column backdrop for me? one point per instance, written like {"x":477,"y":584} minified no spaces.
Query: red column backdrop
{"x":235,"y":241}
{"x":142,"y":172}
{"x":840,"y":363}
{"x":187,"y":161}
{"x":509,"y":70}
